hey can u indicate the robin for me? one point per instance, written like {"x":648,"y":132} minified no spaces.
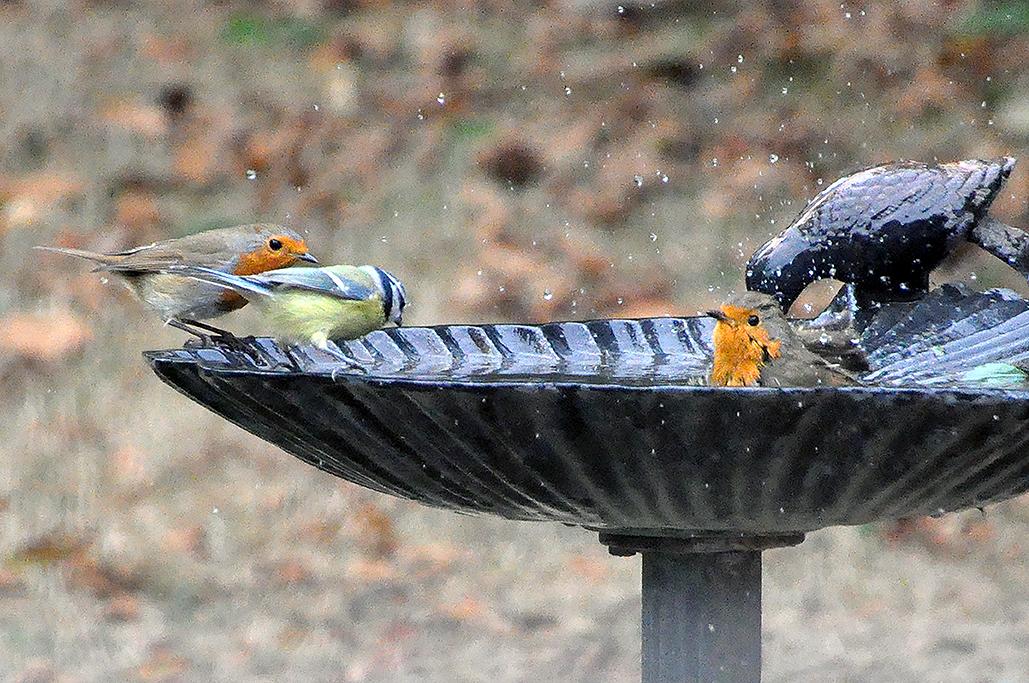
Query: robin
{"x":754,"y":344}
{"x":183,"y":301}
{"x":316,"y":304}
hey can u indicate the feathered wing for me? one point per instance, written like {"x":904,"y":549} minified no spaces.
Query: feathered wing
{"x":205,"y":247}
{"x":997,"y":375}
{"x":150,"y":257}
{"x":219,"y":249}
{"x":323,"y":281}
{"x":349,"y":285}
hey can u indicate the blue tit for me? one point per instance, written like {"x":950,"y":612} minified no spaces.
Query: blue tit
{"x":316,"y":304}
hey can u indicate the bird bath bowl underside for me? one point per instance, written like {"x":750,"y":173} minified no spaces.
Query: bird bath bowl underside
{"x":607,"y":425}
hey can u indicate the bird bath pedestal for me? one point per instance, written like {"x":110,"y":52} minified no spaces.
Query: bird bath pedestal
{"x":605,"y":425}
{"x":701,"y":616}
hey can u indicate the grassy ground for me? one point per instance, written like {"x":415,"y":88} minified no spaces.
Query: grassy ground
{"x":488,"y":155}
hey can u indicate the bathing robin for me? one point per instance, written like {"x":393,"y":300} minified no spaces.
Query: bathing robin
{"x":183,"y":301}
{"x":756,"y":346}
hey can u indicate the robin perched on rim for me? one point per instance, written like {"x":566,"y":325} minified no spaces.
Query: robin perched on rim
{"x":754,"y":345}
{"x":183,"y":301}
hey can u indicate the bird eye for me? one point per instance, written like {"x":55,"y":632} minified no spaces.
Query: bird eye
{"x":753,"y":321}
{"x":274,"y":244}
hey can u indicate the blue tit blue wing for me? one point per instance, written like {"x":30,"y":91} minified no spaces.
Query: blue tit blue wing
{"x":243,"y":284}
{"x":319,"y":280}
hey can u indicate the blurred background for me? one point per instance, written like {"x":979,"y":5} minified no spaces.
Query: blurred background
{"x":551,"y":160}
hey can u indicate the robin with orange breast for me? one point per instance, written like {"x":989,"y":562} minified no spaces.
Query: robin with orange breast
{"x":183,"y":301}
{"x":754,"y":345}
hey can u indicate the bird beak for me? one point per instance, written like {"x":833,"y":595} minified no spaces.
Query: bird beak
{"x":309,"y":257}
{"x":717,"y":315}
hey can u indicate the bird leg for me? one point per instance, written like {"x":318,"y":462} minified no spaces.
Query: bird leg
{"x":210,"y":328}
{"x":220,"y":337}
{"x":322,"y":342}
{"x":188,"y":329}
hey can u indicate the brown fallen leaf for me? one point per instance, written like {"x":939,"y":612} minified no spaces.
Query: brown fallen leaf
{"x":37,"y":671}
{"x":137,"y":210}
{"x":189,"y":540}
{"x":467,"y":609}
{"x":376,"y":533}
{"x":102,"y":578}
{"x":122,"y":608}
{"x":10,"y":582}
{"x":588,"y":568}
{"x":370,"y":571}
{"x":194,"y":161}
{"x":144,"y":119}
{"x":50,"y":549}
{"x":45,"y":336}
{"x":292,"y":573}
{"x":26,"y":200}
{"x":162,"y":665}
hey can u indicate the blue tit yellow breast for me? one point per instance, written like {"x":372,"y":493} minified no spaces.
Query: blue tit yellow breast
{"x":297,"y":316}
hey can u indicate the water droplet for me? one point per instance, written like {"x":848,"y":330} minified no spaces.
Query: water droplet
{"x":421,"y":116}
{"x":568,"y":91}
{"x":638,"y":179}
{"x":251,"y":174}
{"x":772,"y":158}
{"x":441,"y":99}
{"x":711,"y":628}
{"x":823,"y":338}
{"x":621,"y":301}
{"x":732,"y":69}
{"x":621,"y":10}
{"x":547,"y":295}
{"x":785,"y":90}
{"x":316,"y":107}
{"x":653,"y":237}
{"x":739,"y":58}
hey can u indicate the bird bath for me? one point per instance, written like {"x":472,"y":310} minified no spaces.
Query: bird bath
{"x":606,"y":425}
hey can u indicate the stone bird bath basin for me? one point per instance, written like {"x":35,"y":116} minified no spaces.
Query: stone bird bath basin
{"x":606,"y":425}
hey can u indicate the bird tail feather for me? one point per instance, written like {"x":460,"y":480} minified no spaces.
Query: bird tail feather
{"x":102,"y":259}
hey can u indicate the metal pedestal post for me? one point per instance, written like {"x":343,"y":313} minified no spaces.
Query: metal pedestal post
{"x":701,"y":618}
